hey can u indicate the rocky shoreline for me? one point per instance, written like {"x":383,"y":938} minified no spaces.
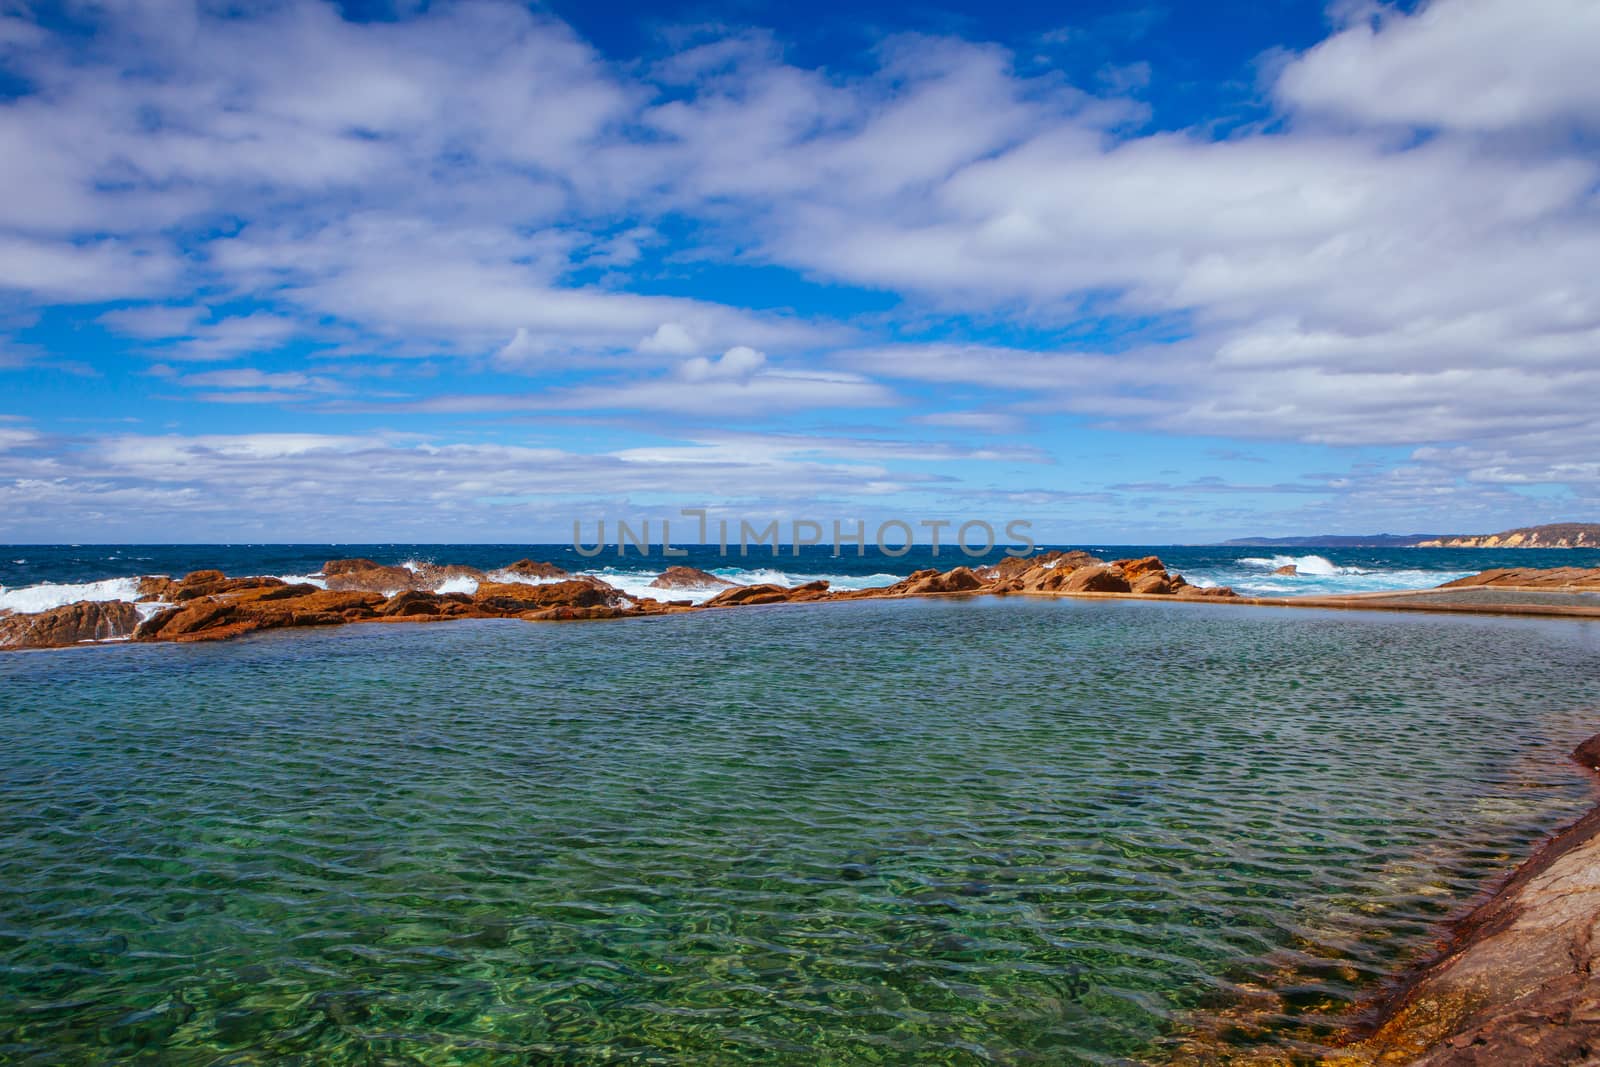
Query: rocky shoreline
{"x":210,"y":606}
{"x":1517,"y":986}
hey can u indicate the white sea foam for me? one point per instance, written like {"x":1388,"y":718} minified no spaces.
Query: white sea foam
{"x":1317,"y":565}
{"x":525,"y":579}
{"x":46,"y":595}
{"x":457,"y":585}
{"x":1315,"y":575}
{"x":303,"y":579}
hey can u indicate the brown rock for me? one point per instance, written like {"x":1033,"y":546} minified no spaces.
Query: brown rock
{"x":432,"y":575}
{"x":1044,"y":571}
{"x":70,"y":624}
{"x":1152,"y":584}
{"x":532,"y":568}
{"x":1287,"y":568}
{"x":742,"y":595}
{"x":515,"y":598}
{"x":156,"y":587}
{"x":1532,"y":577}
{"x":688,"y":578}
{"x":749,"y":594}
{"x":209,"y":583}
{"x":365,"y":575}
{"x":1103,"y":578}
{"x":191,"y":618}
{"x":411,"y":602}
{"x":1521,"y":986}
{"x":271,"y":592}
{"x":1138,"y":568}
{"x":567,"y":613}
{"x":959,"y":580}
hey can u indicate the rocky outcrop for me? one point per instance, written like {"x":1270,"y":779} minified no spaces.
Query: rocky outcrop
{"x":1134,"y":569}
{"x":432,"y":575}
{"x":1152,"y":584}
{"x":516,"y":598}
{"x":70,"y":624}
{"x":532,"y":568}
{"x":366,"y":576}
{"x":929,"y":582}
{"x":1521,"y":987}
{"x":744,"y":595}
{"x":1551,"y":535}
{"x":688,"y":578}
{"x":156,"y":587}
{"x":412,"y":603}
{"x":212,"y":619}
{"x":1034,"y":572}
{"x":1290,"y":569}
{"x":1555,"y":578}
{"x":208,"y":605}
{"x":1100,"y":578}
{"x":211,"y":583}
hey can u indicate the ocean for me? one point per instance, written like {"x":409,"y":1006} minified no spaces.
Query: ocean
{"x":988,"y":831}
{"x":37,"y":577}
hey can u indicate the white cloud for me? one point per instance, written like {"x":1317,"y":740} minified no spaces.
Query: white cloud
{"x":1474,"y":65}
{"x":737,"y":363}
{"x":452,"y":185}
{"x":670,"y":339}
{"x":248,"y":378}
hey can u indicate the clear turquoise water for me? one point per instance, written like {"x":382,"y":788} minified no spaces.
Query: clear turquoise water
{"x":1017,"y":832}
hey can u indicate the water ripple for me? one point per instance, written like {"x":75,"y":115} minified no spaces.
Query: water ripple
{"x":954,"y":833}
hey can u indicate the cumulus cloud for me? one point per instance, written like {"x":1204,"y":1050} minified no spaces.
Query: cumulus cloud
{"x":737,"y":363}
{"x":669,"y":339}
{"x":1400,"y":257}
{"x":1468,"y":65}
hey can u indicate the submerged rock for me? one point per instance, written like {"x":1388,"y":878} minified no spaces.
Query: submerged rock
{"x":1521,"y":987}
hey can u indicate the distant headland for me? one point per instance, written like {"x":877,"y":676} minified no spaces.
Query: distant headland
{"x":1551,"y":535}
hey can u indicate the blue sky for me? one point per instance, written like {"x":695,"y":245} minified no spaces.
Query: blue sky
{"x":1139,"y":273}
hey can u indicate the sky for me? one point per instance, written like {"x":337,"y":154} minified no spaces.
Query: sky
{"x":296,"y":271}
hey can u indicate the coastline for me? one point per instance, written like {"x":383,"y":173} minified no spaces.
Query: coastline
{"x":208,"y":605}
{"x":1514,"y":984}
{"x":1513,"y":978}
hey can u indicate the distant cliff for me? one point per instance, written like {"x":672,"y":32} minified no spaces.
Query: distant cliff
{"x":1383,"y":540}
{"x":1555,"y":535}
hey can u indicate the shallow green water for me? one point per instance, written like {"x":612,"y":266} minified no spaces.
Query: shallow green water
{"x":906,"y":832}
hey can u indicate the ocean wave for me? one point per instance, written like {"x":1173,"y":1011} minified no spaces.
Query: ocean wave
{"x":28,"y":599}
{"x":774,"y":576}
{"x":1316,"y":575}
{"x":1309,"y":565}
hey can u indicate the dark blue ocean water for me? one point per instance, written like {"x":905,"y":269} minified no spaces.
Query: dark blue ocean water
{"x":1248,"y":570}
